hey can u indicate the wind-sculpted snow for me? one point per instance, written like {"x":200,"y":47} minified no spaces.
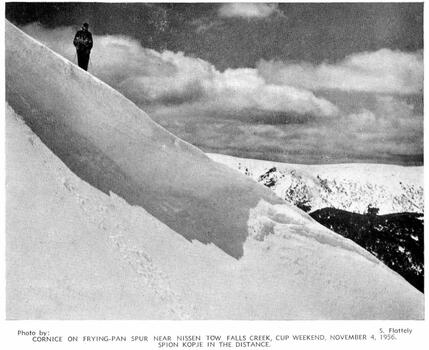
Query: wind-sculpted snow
{"x":266,"y":218}
{"x":113,"y":145}
{"x":82,"y":243}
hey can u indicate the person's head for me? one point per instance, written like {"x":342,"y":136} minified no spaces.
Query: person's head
{"x":85,"y":26}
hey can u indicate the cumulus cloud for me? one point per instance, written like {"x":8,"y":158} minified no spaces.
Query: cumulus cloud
{"x":382,"y":71}
{"x":168,"y":78}
{"x":248,"y":10}
{"x":390,"y":115}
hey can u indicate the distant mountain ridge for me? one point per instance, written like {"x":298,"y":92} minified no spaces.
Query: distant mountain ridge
{"x":351,"y":187}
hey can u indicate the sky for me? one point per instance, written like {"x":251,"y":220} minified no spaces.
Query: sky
{"x":298,"y":83}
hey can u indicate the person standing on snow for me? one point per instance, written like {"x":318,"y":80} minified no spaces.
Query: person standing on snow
{"x":83,"y":43}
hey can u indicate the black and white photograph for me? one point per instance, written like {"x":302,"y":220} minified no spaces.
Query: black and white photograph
{"x":214,"y":161}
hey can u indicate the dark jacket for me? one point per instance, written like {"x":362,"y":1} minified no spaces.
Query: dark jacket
{"x":83,"y":41}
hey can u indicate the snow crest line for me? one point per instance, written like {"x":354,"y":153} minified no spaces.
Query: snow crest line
{"x":114,"y":146}
{"x":266,"y":219}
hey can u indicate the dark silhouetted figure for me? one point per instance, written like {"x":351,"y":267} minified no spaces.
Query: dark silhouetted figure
{"x":83,"y":43}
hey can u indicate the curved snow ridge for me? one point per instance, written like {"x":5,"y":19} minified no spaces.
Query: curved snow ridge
{"x":109,"y":142}
{"x":267,"y":219}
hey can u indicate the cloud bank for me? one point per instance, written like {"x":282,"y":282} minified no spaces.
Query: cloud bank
{"x":383,"y":71}
{"x":277,"y":110}
{"x":168,"y":78}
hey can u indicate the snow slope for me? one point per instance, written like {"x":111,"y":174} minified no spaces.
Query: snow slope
{"x":351,"y":187}
{"x":110,"y":143}
{"x":98,"y":212}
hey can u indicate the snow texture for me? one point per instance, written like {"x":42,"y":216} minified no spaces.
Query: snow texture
{"x":109,"y":216}
{"x":351,"y":187}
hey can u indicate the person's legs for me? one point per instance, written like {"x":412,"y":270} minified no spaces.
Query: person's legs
{"x":83,"y":60}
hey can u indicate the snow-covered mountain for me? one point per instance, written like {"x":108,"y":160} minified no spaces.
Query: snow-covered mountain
{"x":109,"y":216}
{"x":351,"y":187}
